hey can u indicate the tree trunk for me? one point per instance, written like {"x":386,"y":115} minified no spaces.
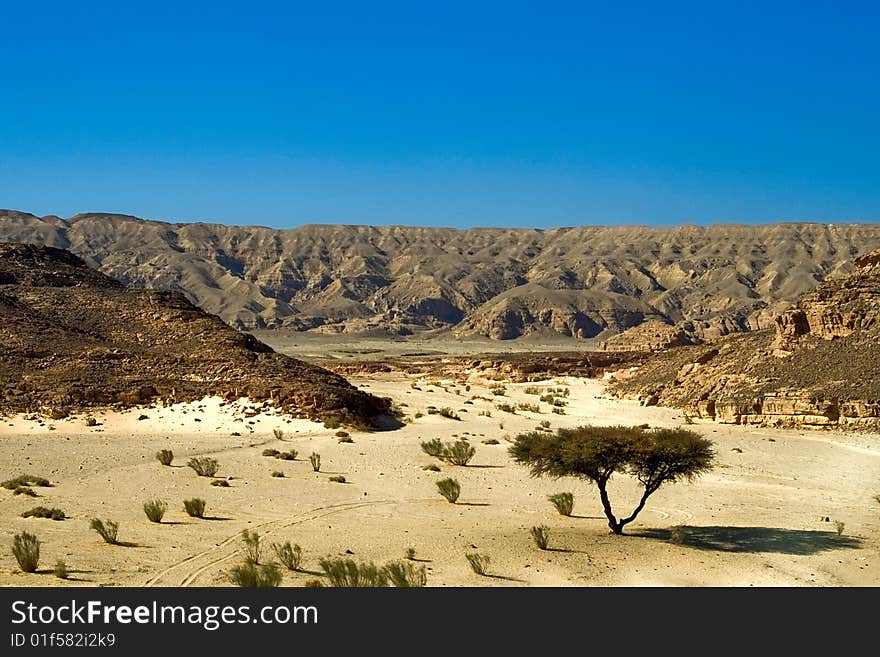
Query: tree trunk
{"x":615,"y":526}
{"x":638,"y":509}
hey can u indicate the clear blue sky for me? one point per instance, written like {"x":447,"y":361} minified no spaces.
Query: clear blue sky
{"x":443,"y":113}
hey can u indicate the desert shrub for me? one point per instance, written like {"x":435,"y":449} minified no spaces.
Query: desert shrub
{"x":346,"y":439}
{"x":289,"y":455}
{"x":204,"y":466}
{"x":531,"y":408}
{"x":165,"y":456}
{"x":507,"y":408}
{"x":271,"y":452}
{"x":458,"y":453}
{"x":431,"y":468}
{"x":450,"y":489}
{"x":541,"y":535}
{"x":490,"y":441}
{"x":448,"y":413}
{"x":332,"y":423}
{"x":107,"y":529}
{"x":498,"y":390}
{"x":558,"y":411}
{"x":24,"y":480}
{"x":24,"y":490}
{"x":478,"y":562}
{"x":222,"y":483}
{"x":289,"y":555}
{"x":564,"y":502}
{"x":418,"y":414}
{"x":252,"y":575}
{"x":559,"y":403}
{"x":677,"y":535}
{"x":341,"y":434}
{"x":155,"y":510}
{"x":839,"y":525}
{"x":485,"y":413}
{"x":545,"y":424}
{"x":313,"y":584}
{"x":195,"y":508}
{"x":337,"y":479}
{"x":250,"y":545}
{"x":532,"y":390}
{"x":410,"y":553}
{"x":404,"y":574}
{"x":349,"y":573}
{"x":278,"y":474}
{"x":26,"y":549}
{"x":278,"y":433}
{"x":548,"y":399}
{"x":433,"y":447}
{"x":43,"y":512}
{"x":595,"y":453}
{"x":315,"y":460}
{"x":60,"y":570}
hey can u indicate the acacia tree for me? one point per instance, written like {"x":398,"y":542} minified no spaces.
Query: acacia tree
{"x":654,"y":457}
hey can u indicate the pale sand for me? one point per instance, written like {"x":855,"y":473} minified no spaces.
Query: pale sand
{"x":759,"y":514}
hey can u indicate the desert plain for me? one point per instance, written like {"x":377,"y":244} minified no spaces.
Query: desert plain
{"x":780,"y":507}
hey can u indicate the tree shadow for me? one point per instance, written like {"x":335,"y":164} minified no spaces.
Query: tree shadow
{"x":756,"y":539}
{"x":473,"y":504}
{"x":505,"y":578}
{"x":485,"y":466}
{"x":214,"y":518}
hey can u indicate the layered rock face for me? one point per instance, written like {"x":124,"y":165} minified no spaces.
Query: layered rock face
{"x":501,"y":283}
{"x":820,"y":367}
{"x":71,"y":337}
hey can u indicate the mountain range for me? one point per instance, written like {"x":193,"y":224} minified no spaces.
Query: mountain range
{"x":581,"y":282}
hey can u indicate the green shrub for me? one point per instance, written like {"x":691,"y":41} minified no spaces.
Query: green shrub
{"x":107,"y":529}
{"x":289,"y":555}
{"x":541,"y":535}
{"x":155,"y":510}
{"x":564,"y":502}
{"x":250,"y":545}
{"x":252,"y":575}
{"x":165,"y":456}
{"x":337,"y":479}
{"x":60,"y":570}
{"x":315,"y":460}
{"x":43,"y":512}
{"x":204,"y":466}
{"x":24,"y":480}
{"x":410,"y":553}
{"x":26,"y":549}
{"x":450,"y":489}
{"x":271,"y":452}
{"x":532,"y":390}
{"x":458,"y":453}
{"x":433,"y":447}
{"x":448,"y":413}
{"x":478,"y":562}
{"x":531,"y":408}
{"x":507,"y":408}
{"x":404,"y":574}
{"x":195,"y":507}
{"x":24,"y":490}
{"x":289,"y":455}
{"x":349,"y":573}
{"x":498,"y":390}
{"x":278,"y":433}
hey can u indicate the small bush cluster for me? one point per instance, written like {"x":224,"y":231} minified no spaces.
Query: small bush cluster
{"x":564,"y":502}
{"x":404,"y":574}
{"x":155,"y":510}
{"x":479,"y":563}
{"x":165,"y":456}
{"x":289,"y":455}
{"x":507,"y":408}
{"x":289,"y":555}
{"x":195,"y":508}
{"x":222,"y":483}
{"x":458,"y":453}
{"x":278,"y":474}
{"x":337,"y":479}
{"x":332,"y":423}
{"x":531,"y":408}
{"x":25,"y":480}
{"x":349,"y":573}
{"x":450,"y":489}
{"x":204,"y":466}
{"x":26,"y":550}
{"x":315,"y":460}
{"x":541,"y":536}
{"x":43,"y":512}
{"x":532,"y":390}
{"x":107,"y":529}
{"x":271,"y":452}
{"x":448,"y":413}
{"x":252,"y":575}
{"x":500,"y":391}
{"x":250,"y":545}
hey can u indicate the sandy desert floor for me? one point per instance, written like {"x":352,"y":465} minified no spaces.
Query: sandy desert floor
{"x":759,"y":518}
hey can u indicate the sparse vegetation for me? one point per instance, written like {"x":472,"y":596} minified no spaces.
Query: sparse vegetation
{"x":558,"y":411}
{"x":43,"y":512}
{"x":458,"y":453}
{"x":564,"y":503}
{"x":289,"y":455}
{"x":289,"y":555}
{"x":165,"y":456}
{"x":25,"y":480}
{"x":500,"y":391}
{"x":195,"y":508}
{"x":332,"y":423}
{"x":250,"y":546}
{"x":448,"y":413}
{"x":155,"y":510}
{"x":595,"y":453}
{"x":315,"y":460}
{"x":341,"y":434}
{"x":204,"y":466}
{"x":531,"y":408}
{"x":532,"y":390}
{"x":450,"y":489}
{"x":479,"y":563}
{"x":26,"y":550}
{"x":337,"y":479}
{"x":490,"y":441}
{"x":349,"y":573}
{"x":410,"y":553}
{"x":252,"y":575}
{"x":433,"y":447}
{"x":278,"y":474}
{"x":271,"y":452}
{"x":278,"y":433}
{"x":431,"y":468}
{"x":107,"y":529}
{"x":839,"y":525}
{"x":346,"y":439}
{"x":507,"y":408}
{"x":404,"y":574}
{"x":222,"y":483}
{"x":677,"y":535}
{"x":24,"y":490}
{"x":541,"y":536}
{"x":60,"y":570}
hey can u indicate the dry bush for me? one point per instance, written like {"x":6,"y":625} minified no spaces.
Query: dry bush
{"x":43,"y":512}
{"x":24,"y":490}
{"x":195,"y":507}
{"x":531,"y":408}
{"x":250,"y":545}
{"x":60,"y":570}
{"x":278,"y":474}
{"x":289,"y":555}
{"x":271,"y":452}
{"x":155,"y":510}
{"x":222,"y":483}
{"x":315,"y":460}
{"x":349,"y":573}
{"x":450,"y":489}
{"x":26,"y":549}
{"x":107,"y":529}
{"x":458,"y":453}
{"x":433,"y":447}
{"x":479,"y":563}
{"x":677,"y":535}
{"x":839,"y":525}
{"x":252,"y":575}
{"x":204,"y":466}
{"x":564,"y":503}
{"x":541,"y":536}
{"x":165,"y":456}
{"x":289,"y":455}
{"x":278,"y":433}
{"x":404,"y":574}
{"x":24,"y":480}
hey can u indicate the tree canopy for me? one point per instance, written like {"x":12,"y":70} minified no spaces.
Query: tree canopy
{"x":652,"y":456}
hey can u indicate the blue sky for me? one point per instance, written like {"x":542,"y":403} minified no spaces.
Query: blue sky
{"x":532,"y":114}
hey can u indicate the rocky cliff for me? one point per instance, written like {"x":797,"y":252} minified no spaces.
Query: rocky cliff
{"x":582,"y":282}
{"x":820,"y":366}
